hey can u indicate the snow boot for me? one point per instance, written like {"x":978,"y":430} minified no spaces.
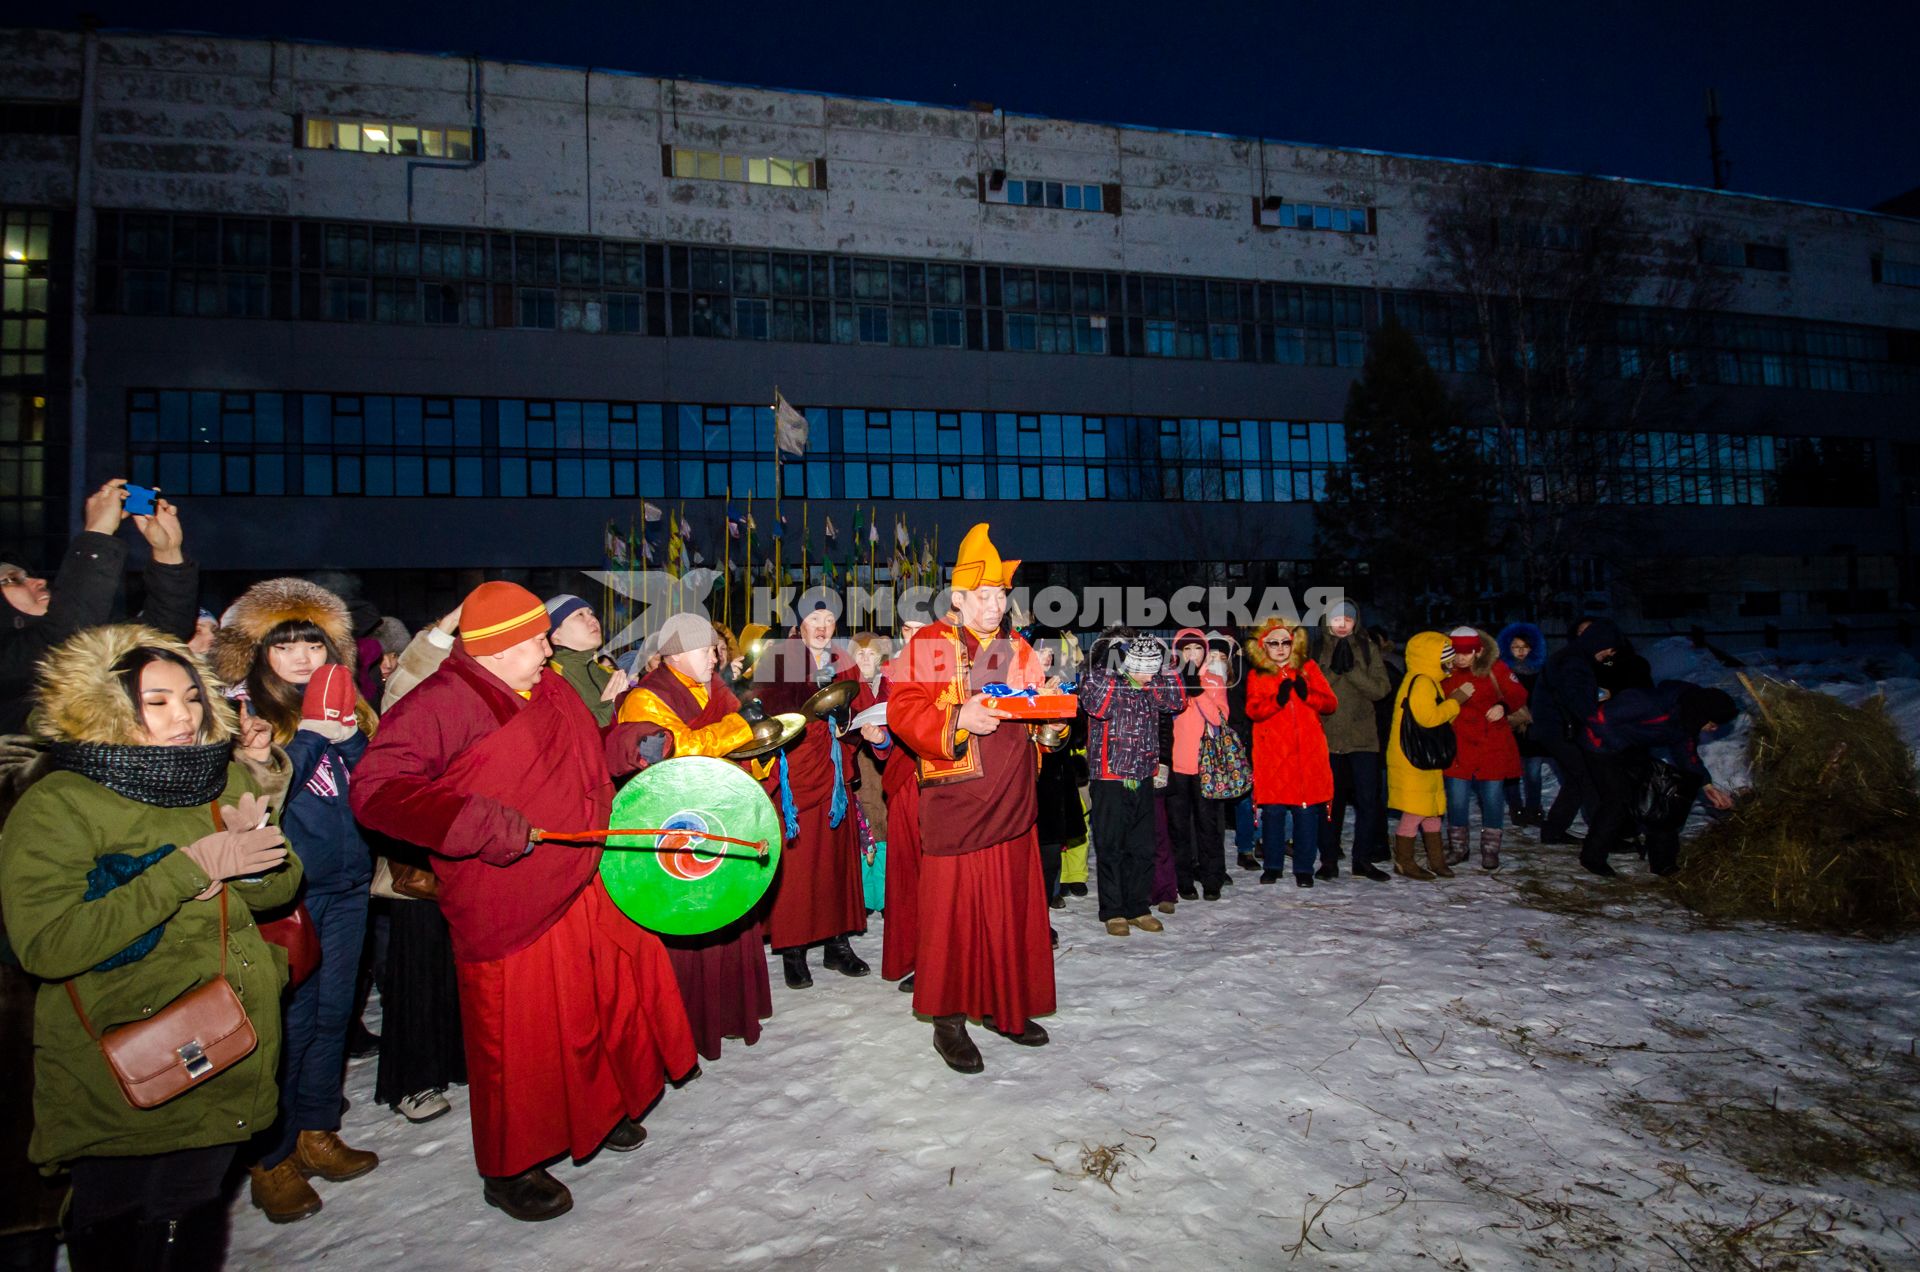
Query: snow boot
{"x":1367,"y":870}
{"x":954,"y":1046}
{"x":1329,"y":867}
{"x":837,"y":956}
{"x":530,"y":1196}
{"x":794,"y":963}
{"x":283,"y":1193}
{"x":1436,"y":854}
{"x":325,"y":1154}
{"x":1403,"y":860}
{"x":1457,"y":849}
{"x":1490,"y":848}
{"x":625,"y":1136}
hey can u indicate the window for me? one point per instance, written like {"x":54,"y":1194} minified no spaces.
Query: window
{"x":1339,"y":218}
{"x":385,"y":137}
{"x":1732,"y":254}
{"x":27,"y":240}
{"x":1035,"y":192}
{"x":1897,"y":273}
{"x":712,"y":165}
{"x":39,"y":119}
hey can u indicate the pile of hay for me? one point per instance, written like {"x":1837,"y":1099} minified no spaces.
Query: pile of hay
{"x":1829,"y":836}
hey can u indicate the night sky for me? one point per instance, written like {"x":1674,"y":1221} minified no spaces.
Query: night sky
{"x":1820,"y":101}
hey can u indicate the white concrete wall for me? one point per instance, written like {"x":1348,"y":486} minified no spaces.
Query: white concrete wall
{"x":208,"y":123}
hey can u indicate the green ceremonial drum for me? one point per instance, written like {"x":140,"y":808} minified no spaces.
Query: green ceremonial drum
{"x":681,"y":883}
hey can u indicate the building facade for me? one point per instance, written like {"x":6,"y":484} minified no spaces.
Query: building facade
{"x":409,"y":315}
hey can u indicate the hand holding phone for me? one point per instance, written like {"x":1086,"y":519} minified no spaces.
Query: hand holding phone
{"x":140,"y":500}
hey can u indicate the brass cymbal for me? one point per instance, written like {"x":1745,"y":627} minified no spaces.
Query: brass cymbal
{"x":831,"y":699}
{"x":771,"y":734}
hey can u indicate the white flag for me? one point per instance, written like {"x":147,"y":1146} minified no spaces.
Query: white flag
{"x":789,"y":426}
{"x":649,"y":512}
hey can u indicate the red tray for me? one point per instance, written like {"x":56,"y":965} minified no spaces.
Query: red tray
{"x":1048,"y":706}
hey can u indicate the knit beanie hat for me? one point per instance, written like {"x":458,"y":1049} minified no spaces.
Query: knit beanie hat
{"x":1343,"y":608}
{"x":499,"y":615}
{"x":562,"y":607}
{"x":392,"y":635}
{"x":1145,"y":656}
{"x":682,"y":634}
{"x":1465,"y":641}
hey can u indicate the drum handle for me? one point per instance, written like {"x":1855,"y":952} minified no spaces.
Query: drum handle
{"x":541,"y":836}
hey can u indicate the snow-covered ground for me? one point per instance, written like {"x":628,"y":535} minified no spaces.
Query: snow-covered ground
{"x":1530,"y":1069}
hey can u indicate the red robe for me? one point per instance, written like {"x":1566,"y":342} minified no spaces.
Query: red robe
{"x":983,"y":948}
{"x":722,"y":974}
{"x":900,"y":784}
{"x":570,"y":1013}
{"x":817,"y":895}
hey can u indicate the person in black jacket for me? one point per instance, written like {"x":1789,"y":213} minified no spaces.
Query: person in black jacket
{"x":37,"y":616}
{"x":1628,"y":740}
{"x":1569,"y":693}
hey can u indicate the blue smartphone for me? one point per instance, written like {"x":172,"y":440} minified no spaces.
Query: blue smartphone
{"x":139,"y":500}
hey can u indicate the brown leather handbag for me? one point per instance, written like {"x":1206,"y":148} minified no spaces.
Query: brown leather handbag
{"x":199,"y":1034}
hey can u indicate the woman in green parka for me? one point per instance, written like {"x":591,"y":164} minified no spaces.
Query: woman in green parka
{"x":112,"y":871}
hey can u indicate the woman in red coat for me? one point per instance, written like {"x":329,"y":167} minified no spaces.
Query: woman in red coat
{"x":1292,"y":777}
{"x":1489,"y":755}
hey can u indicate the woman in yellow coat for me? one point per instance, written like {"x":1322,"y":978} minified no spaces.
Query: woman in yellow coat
{"x":1420,"y":794}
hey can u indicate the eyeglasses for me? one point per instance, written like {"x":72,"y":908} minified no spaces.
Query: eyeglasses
{"x":1276,"y":644}
{"x":15,"y":577}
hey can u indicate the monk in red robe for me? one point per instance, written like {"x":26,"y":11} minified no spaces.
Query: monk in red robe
{"x":900,"y":783}
{"x":722,"y":974}
{"x":816,"y":898}
{"x":570,"y":1013}
{"x":983,"y":950}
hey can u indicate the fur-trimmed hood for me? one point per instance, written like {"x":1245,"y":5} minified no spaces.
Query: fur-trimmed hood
{"x":1257,"y":653}
{"x":79,"y":699}
{"x":1536,"y":643}
{"x":265,"y":606}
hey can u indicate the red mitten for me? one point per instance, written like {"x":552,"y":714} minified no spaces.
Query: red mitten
{"x":329,"y":700}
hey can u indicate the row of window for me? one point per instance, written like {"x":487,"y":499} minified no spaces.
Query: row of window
{"x":713,"y":165}
{"x":1035,"y":192}
{"x":329,"y":271}
{"x":208,"y":442}
{"x":384,"y":137}
{"x":1339,"y":218}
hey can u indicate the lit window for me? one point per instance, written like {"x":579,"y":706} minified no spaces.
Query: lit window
{"x":712,"y":165}
{"x":1030,"y":192}
{"x":382,"y":137}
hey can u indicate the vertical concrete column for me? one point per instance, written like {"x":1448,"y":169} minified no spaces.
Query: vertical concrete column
{"x":81,"y":290}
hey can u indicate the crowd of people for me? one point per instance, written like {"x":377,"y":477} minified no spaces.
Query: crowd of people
{"x":222,"y":831}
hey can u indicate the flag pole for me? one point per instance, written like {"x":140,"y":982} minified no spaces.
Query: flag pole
{"x":779,"y":539}
{"x":726,"y":561}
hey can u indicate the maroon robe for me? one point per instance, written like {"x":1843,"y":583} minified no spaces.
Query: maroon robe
{"x":900,"y":783}
{"x":982,"y":948}
{"x":723,"y":973}
{"x":817,"y":895}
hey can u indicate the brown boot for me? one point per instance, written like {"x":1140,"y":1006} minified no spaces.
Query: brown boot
{"x":323,"y":1153}
{"x":1490,"y":848}
{"x":955,"y":1047}
{"x":283,"y":1193}
{"x":1436,"y":854}
{"x":1403,"y":862}
{"x":1457,"y":845}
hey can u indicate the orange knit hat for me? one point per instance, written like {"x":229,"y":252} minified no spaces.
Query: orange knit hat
{"x":499,"y":615}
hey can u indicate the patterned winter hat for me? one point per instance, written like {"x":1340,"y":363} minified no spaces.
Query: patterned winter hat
{"x":1145,"y":656}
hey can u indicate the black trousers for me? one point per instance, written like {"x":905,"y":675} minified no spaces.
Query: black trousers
{"x":1123,"y":846}
{"x":1198,"y":830}
{"x":1611,"y":787}
{"x":1050,"y":868}
{"x":156,"y":1186}
{"x":1576,"y":791}
{"x":1356,"y":782}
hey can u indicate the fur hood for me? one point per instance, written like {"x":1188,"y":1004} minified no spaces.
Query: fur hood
{"x":1257,"y":653}
{"x":265,"y":606}
{"x":81,"y":700}
{"x":1536,"y":644}
{"x":1483,"y":657}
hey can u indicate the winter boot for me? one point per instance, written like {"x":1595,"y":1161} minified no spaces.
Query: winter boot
{"x":530,"y":1196}
{"x":1490,"y":848}
{"x":1457,"y":849}
{"x":283,"y":1193}
{"x":794,"y":963}
{"x":837,"y":956}
{"x":955,"y":1047}
{"x":1366,"y":869}
{"x":625,"y":1136}
{"x":325,"y":1154}
{"x":1436,"y":854}
{"x":1403,"y":862}
{"x":1329,"y":866}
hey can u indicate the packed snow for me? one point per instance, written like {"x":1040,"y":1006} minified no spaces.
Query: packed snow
{"x":1524,"y":1069}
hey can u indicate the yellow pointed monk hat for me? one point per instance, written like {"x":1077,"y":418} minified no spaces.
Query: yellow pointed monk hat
{"x":978,"y":563}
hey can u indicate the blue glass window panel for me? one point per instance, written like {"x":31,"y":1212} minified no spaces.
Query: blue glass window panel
{"x":539,"y":478}
{"x":820,"y":480}
{"x":1072,"y":436}
{"x":269,"y":475}
{"x":566,"y":426}
{"x":408,"y":430}
{"x":949,"y":436}
{"x":904,"y":486}
{"x":880,"y":481}
{"x":568,"y":482}
{"x":1096,"y":483}
{"x":346,"y":474}
{"x":714,"y":439}
{"x":1090,"y":198}
{"x":206,"y":418}
{"x":1030,"y":482}
{"x":594,"y":432}
{"x":267,"y":424}
{"x":949,"y":481}
{"x":971,"y":433}
{"x":1073,"y":197}
{"x":513,"y":424}
{"x":1250,"y":484}
{"x":653,"y":477}
{"x":1006,"y":431}
{"x":741,"y":475}
{"x":1076,"y":480}
{"x":597,"y":478}
{"x":144,"y":467}
{"x":623,"y":434}
{"x":377,"y":419}
{"x":1029,"y":440}
{"x":206,"y":473}
{"x":143,"y":426}
{"x":623,"y":486}
{"x":1009,"y":481}
{"x":316,"y":476}
{"x":173,"y":417}
{"x":650,"y":421}
{"x":793,"y":481}
{"x":1232,"y":491}
{"x":173,"y":471}
{"x":857,"y":481}
{"x":693,"y":478}
{"x":1017,"y":193}
{"x":466,"y":421}
{"x":469,"y":476}
{"x":317,"y":420}
{"x":1337,"y":443}
{"x":439,"y":476}
{"x":853,"y":427}
{"x":237,"y":426}
{"x":1052,"y":482}
{"x":346,"y":429}
{"x":692,"y":420}
{"x":439,"y":424}
{"x":974,"y":478}
{"x":1050,"y":436}
{"x":763,"y":481}
{"x":740,"y":429}
{"x":927,"y":480}
{"x":926,"y":440}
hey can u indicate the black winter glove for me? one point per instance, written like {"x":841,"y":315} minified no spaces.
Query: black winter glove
{"x":1299,"y":685}
{"x":752,"y":712}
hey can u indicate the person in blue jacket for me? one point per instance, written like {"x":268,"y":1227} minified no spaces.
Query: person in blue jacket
{"x":271,"y":644}
{"x":1627,"y":740}
{"x":1524,"y":649}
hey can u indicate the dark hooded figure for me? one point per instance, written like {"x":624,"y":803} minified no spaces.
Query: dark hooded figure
{"x":1640,"y":736}
{"x":1524,"y":649}
{"x":1568,"y":694}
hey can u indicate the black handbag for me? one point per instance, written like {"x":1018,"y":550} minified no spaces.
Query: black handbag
{"x":1426,"y":746}
{"x":1662,"y":795}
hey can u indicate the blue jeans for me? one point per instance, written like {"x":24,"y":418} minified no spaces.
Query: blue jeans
{"x":1245,"y":832}
{"x":1523,"y":792}
{"x":1305,"y":823}
{"x":313,"y":1048}
{"x":1463,"y":792}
